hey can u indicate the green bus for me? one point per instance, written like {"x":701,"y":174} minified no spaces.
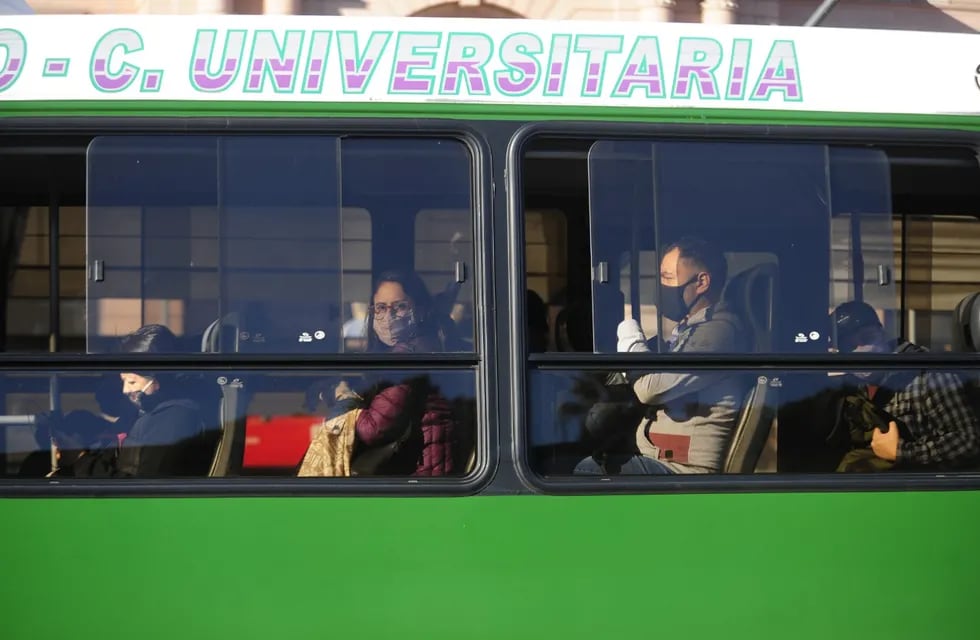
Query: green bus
{"x":295,"y":220}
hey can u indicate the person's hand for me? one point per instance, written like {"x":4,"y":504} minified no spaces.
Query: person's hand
{"x":630,"y":336}
{"x":885,"y":445}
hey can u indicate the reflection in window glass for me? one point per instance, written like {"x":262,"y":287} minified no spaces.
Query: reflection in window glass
{"x":199,"y":424}
{"x":274,"y":243}
{"x":641,"y":423}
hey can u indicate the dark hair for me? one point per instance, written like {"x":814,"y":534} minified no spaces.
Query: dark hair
{"x":705,"y":256}
{"x":151,"y":338}
{"x":848,"y":319}
{"x":428,"y":331}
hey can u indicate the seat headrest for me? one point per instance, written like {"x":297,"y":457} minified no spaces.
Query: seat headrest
{"x":751,"y":295}
{"x":966,"y":324}
{"x":221,"y":336}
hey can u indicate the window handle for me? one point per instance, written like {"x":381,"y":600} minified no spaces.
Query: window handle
{"x":602,"y":272}
{"x":460,"y":269}
{"x":98,"y":270}
{"x":884,"y":275}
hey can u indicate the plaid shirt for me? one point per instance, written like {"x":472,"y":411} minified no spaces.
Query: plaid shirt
{"x":940,"y":427}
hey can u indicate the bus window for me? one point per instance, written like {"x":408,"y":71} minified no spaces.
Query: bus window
{"x":259,"y":250}
{"x":356,"y":257}
{"x":546,"y":256}
{"x":942,"y":254}
{"x":181,"y":437}
{"x":29,"y":297}
{"x":829,"y":415}
{"x":443,"y":249}
{"x":771,"y":201}
{"x":420,"y":198}
{"x":800,"y":229}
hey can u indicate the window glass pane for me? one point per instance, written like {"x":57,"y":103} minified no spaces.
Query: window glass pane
{"x":546,"y":260}
{"x":943,"y":254}
{"x":639,"y":422}
{"x":748,"y":226}
{"x":419,"y":195}
{"x":198,"y":424}
{"x":862,"y":247}
{"x":274,"y":243}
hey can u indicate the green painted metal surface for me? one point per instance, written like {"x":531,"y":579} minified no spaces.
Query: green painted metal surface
{"x":828,"y":565}
{"x":847,"y":565}
{"x":212,"y":109}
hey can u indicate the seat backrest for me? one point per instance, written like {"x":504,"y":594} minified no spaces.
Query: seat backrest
{"x":229,"y":454}
{"x":224,"y":336}
{"x":966,"y":324}
{"x":966,"y":339}
{"x":751,"y":294}
{"x":752,"y":429}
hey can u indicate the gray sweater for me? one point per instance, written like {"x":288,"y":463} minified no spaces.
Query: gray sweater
{"x":694,"y":414}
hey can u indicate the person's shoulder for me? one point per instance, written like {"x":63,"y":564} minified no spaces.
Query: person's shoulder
{"x":721,"y":318}
{"x":179,"y":408}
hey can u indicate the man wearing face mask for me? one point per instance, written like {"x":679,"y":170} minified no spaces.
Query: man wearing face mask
{"x":931,"y":422}
{"x":691,"y":416}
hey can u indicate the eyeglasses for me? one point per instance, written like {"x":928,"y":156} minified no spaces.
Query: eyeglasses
{"x":400,"y":308}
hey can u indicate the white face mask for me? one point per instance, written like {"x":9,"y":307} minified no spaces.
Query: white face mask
{"x":394,"y":329}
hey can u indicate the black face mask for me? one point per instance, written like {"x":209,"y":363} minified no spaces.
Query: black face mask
{"x":141,"y":400}
{"x":672,"y":304}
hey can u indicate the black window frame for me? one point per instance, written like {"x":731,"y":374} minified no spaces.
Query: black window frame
{"x":522,"y":362}
{"x":481,"y":362}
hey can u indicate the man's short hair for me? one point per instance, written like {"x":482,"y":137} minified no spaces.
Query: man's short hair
{"x":704,"y":256}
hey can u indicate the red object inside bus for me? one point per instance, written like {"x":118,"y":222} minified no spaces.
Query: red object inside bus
{"x":277,"y":441}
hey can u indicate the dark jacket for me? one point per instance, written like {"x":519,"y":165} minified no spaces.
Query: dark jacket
{"x":414,"y":406}
{"x":168,"y":440}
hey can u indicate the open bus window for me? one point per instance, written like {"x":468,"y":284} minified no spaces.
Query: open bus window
{"x":272,"y":244}
{"x":178,"y":428}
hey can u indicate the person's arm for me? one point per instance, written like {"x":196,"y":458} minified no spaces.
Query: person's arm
{"x":954,"y":434}
{"x":715,"y":336}
{"x":379,"y":422}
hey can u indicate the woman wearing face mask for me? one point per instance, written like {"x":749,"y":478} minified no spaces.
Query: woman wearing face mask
{"x":400,"y":316}
{"x":412,"y":417}
{"x":169,"y":437}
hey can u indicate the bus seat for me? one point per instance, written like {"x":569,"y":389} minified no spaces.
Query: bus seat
{"x":751,"y":294}
{"x":966,"y":324}
{"x":966,"y":338}
{"x":752,"y":429}
{"x":223,"y":336}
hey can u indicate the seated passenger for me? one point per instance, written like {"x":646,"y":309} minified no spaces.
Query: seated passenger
{"x":413,"y":411}
{"x":169,"y":438}
{"x":931,"y":422}
{"x":690,"y":417}
{"x":400,"y":316}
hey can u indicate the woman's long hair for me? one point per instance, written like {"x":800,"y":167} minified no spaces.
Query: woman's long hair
{"x":427,"y":330}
